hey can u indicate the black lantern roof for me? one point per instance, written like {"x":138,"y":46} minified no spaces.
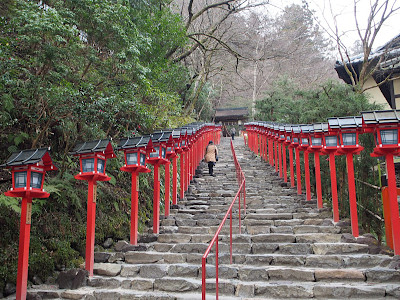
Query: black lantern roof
{"x":30,"y":157}
{"x":320,"y":127}
{"x":133,"y":142}
{"x":381,"y":116}
{"x":160,"y":136}
{"x":176,"y":133}
{"x":288,"y":128}
{"x":345,"y":122}
{"x":305,"y":128}
{"x":296,"y":129}
{"x":94,"y":146}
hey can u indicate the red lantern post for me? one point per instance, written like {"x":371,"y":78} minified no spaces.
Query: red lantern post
{"x":330,"y":146}
{"x":28,"y":169}
{"x":183,"y":162}
{"x":282,"y":152}
{"x":136,"y":151}
{"x":157,"y":159}
{"x":93,"y":157}
{"x":385,"y":126}
{"x":304,"y":143}
{"x":288,"y":142}
{"x":295,"y":144}
{"x":176,"y":135}
{"x":316,"y":148}
{"x":349,"y":129}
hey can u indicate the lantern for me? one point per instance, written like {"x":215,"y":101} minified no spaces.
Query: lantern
{"x":28,"y":170}
{"x":305,"y":134}
{"x":295,"y":144}
{"x":93,"y":156}
{"x":288,"y":142}
{"x":157,"y":158}
{"x":348,"y":129}
{"x":316,"y":147}
{"x":136,"y":150}
{"x":385,"y":127}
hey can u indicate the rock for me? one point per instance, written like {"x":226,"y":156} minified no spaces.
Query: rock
{"x":72,"y":279}
{"x":120,"y":245}
{"x":9,"y":289}
{"x":130,"y":247}
{"x":291,"y":274}
{"x":101,"y":257}
{"x":148,"y":238}
{"x":33,"y":296}
{"x":337,"y":274}
{"x":107,"y":269}
{"x":382,"y":275}
{"x":118,"y":256}
{"x":348,"y":238}
{"x":108,"y":243}
{"x":143,"y":258}
{"x":142,"y":285}
{"x":171,"y":285}
{"x":153,"y":271}
{"x":245,"y":290}
{"x":395,"y":263}
{"x":130,"y":271}
{"x":36,"y":280}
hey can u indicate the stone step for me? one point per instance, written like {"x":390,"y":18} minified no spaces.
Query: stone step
{"x":165,"y":288}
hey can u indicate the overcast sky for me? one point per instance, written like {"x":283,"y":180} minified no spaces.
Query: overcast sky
{"x":344,"y":10}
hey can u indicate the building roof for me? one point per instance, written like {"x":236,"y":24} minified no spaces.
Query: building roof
{"x":388,"y":59}
{"x":238,"y":113}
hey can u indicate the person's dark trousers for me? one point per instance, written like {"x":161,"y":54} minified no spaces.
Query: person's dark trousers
{"x":210,"y":167}
{"x":233,"y":136}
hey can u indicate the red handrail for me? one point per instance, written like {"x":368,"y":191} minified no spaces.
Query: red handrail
{"x":241,"y":193}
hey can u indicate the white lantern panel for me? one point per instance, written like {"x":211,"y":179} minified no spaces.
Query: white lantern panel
{"x":100,"y":165}
{"x":131,"y":158}
{"x":87,"y":165}
{"x":331,"y":141}
{"x":349,"y":139}
{"x":389,"y":136}
{"x":36,"y":180}
{"x":20,"y":179}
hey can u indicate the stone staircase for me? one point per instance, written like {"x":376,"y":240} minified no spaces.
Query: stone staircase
{"x":287,"y":248}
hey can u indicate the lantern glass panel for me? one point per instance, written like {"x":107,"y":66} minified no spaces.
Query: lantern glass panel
{"x":304,"y":141}
{"x":155,"y":154}
{"x":349,"y":139}
{"x":316,"y":141}
{"x":331,"y":141}
{"x":142,"y":159}
{"x":288,"y":138}
{"x":183,"y":143}
{"x":282,"y":137}
{"x":295,"y":140}
{"x":177,"y":145}
{"x":20,"y":179}
{"x":100,"y":165}
{"x":163,"y":152}
{"x":389,"y":136}
{"x":87,"y":165}
{"x":170,"y":149}
{"x":131,"y":158}
{"x":36,"y":180}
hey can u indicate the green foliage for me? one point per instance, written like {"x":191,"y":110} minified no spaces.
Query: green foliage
{"x":10,"y":202}
{"x":81,"y":70}
{"x":288,"y":103}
